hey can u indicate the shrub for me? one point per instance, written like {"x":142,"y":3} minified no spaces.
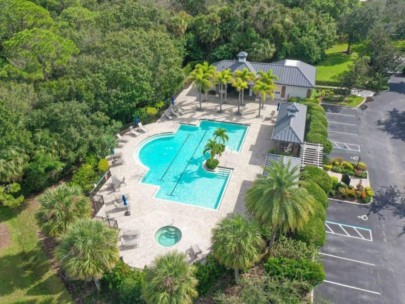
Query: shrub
{"x":361,"y":174}
{"x":337,"y":169}
{"x":327,"y":167}
{"x":130,"y":289}
{"x":292,"y":249}
{"x":369,"y":191}
{"x":343,"y":191}
{"x":337,"y":161}
{"x":318,"y":176}
{"x":212,"y":163}
{"x":361,"y":166}
{"x":312,"y":108}
{"x":317,"y":127}
{"x":347,"y":171}
{"x":85,"y":177}
{"x":317,"y":138}
{"x":294,"y":99}
{"x":335,"y":181}
{"x":348,"y":165}
{"x":151,"y":111}
{"x":317,"y":193}
{"x":332,"y":192}
{"x":367,"y":199}
{"x":208,"y":274}
{"x":351,"y":193}
{"x":295,"y":269}
{"x":103,"y":165}
{"x":313,"y":233}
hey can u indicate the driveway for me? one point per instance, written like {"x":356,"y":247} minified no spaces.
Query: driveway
{"x":371,"y":270}
{"x":343,"y":131}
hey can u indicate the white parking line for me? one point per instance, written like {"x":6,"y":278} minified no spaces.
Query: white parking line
{"x":352,"y":287}
{"x":329,"y":225}
{"x":346,"y":133}
{"x":346,"y":146}
{"x":346,"y":259}
{"x":342,"y":123}
{"x":340,"y":114}
{"x":359,"y":233}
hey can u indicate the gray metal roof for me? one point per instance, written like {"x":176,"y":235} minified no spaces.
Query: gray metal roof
{"x":271,"y":158}
{"x":290,"y":124}
{"x":289,"y":72}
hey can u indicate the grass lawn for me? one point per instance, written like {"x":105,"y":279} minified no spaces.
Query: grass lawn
{"x":352,"y":101}
{"x":26,"y":275}
{"x":335,"y":63}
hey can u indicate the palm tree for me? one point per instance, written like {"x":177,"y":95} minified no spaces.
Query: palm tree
{"x":264,"y":89}
{"x":170,"y":280}
{"x":202,"y":81}
{"x":239,"y":85}
{"x":237,"y":243}
{"x":246,"y":76}
{"x":268,"y":78}
{"x":12,"y":164}
{"x":223,"y":78}
{"x":209,"y":72}
{"x":60,"y":208}
{"x":221,"y":134}
{"x":278,"y":202}
{"x":88,"y":249}
{"x":213,"y":148}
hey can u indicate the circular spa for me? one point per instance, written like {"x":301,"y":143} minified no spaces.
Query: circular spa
{"x":168,"y":236}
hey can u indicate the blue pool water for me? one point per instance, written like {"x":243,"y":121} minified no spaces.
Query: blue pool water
{"x":175,"y":163}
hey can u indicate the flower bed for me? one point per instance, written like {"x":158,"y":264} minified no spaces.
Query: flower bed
{"x":358,"y":193}
{"x":339,"y":165}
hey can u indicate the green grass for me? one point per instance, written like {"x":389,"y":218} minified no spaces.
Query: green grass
{"x":334,"y":65}
{"x":26,"y":275}
{"x":352,"y":101}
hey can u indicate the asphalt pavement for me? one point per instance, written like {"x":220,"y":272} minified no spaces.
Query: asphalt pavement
{"x":368,"y":266}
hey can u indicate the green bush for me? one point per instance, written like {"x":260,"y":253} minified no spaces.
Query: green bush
{"x":212,"y":163}
{"x":327,"y":167}
{"x":313,"y":233}
{"x":103,"y":165}
{"x":318,"y":176}
{"x":130,"y":289}
{"x":85,"y":177}
{"x":295,"y":269}
{"x":292,"y":249}
{"x":317,"y":138}
{"x":317,"y":127}
{"x":361,"y":166}
{"x":335,"y":181}
{"x":361,"y":174}
{"x":348,"y":165}
{"x":317,"y":193}
{"x":369,"y":191}
{"x":208,"y":274}
{"x":337,"y":169}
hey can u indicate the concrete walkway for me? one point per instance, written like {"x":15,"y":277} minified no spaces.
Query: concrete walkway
{"x":148,"y":214}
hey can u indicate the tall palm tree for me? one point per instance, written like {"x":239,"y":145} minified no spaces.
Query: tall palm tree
{"x":268,"y":78}
{"x":221,"y":134}
{"x":170,"y":280}
{"x":88,"y":249}
{"x":202,"y":81}
{"x":239,"y":85}
{"x":12,"y":164}
{"x":278,"y":202}
{"x":237,"y":243}
{"x":60,"y":208}
{"x":209,"y":71}
{"x":223,"y":79}
{"x":264,"y":89}
{"x":246,"y":76}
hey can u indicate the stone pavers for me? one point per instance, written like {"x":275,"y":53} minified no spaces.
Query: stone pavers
{"x":148,"y":214}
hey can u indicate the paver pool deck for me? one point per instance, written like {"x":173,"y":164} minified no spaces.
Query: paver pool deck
{"x":148,"y":213}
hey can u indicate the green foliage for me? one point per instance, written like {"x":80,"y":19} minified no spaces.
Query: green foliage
{"x":295,"y":269}
{"x":293,"y":249}
{"x":317,"y":193}
{"x":212,"y":163}
{"x":318,"y":176}
{"x":85,"y":177}
{"x":208,"y":274}
{"x":313,"y":232}
{"x":103,"y":165}
{"x":170,"y":280}
{"x":60,"y":208}
{"x":78,"y":256}
{"x":10,"y":195}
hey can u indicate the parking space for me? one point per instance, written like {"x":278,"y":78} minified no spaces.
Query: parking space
{"x":350,"y":231}
{"x":343,"y":130}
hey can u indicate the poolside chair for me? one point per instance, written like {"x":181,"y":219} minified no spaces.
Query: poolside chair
{"x":121,"y":139}
{"x":132,"y":131}
{"x":129,"y":234}
{"x":167,"y":115}
{"x":177,"y":109}
{"x":172,"y":112}
{"x":116,"y":182}
{"x":129,"y":243}
{"x":141,"y":127}
{"x":114,"y":156}
{"x":116,"y":162}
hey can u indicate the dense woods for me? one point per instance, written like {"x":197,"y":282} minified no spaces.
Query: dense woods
{"x":73,"y":72}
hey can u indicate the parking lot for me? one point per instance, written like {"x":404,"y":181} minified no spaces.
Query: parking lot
{"x":350,"y":258}
{"x":343,"y":131}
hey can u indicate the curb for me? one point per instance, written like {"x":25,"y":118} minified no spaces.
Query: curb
{"x":343,"y":106}
{"x":350,"y":202}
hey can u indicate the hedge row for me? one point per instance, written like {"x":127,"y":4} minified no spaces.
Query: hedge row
{"x":317,"y":127}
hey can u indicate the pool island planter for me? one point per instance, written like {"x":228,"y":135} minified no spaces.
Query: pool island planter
{"x":215,"y":170}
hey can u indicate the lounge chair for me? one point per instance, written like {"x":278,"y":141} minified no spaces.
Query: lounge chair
{"x":121,"y":139}
{"x":129,"y":243}
{"x":178,"y":110}
{"x":114,"y":156}
{"x":132,"y":131}
{"x":117,"y":183}
{"x":116,"y":162}
{"x":141,"y":127}
{"x":172,"y":112}
{"x":167,"y":115}
{"x":129,"y":234}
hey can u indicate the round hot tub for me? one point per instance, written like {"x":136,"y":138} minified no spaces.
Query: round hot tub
{"x":168,"y":236}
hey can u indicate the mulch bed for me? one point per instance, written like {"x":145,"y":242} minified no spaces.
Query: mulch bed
{"x":5,"y":240}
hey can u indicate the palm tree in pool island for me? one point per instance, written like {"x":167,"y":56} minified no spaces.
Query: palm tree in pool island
{"x":278,"y":202}
{"x":213,"y":148}
{"x":237,"y":243}
{"x":239,"y":85}
{"x":222,"y":135}
{"x":88,"y":249}
{"x":170,"y":280}
{"x":264,"y":90}
{"x":223,"y":79}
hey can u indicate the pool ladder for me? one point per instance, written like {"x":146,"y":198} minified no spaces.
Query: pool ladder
{"x":223,"y":172}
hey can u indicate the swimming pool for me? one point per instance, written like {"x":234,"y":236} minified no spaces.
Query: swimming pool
{"x":175,"y":163}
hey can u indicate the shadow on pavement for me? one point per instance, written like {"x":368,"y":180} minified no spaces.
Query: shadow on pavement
{"x":388,"y":198}
{"x":395,"y":124}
